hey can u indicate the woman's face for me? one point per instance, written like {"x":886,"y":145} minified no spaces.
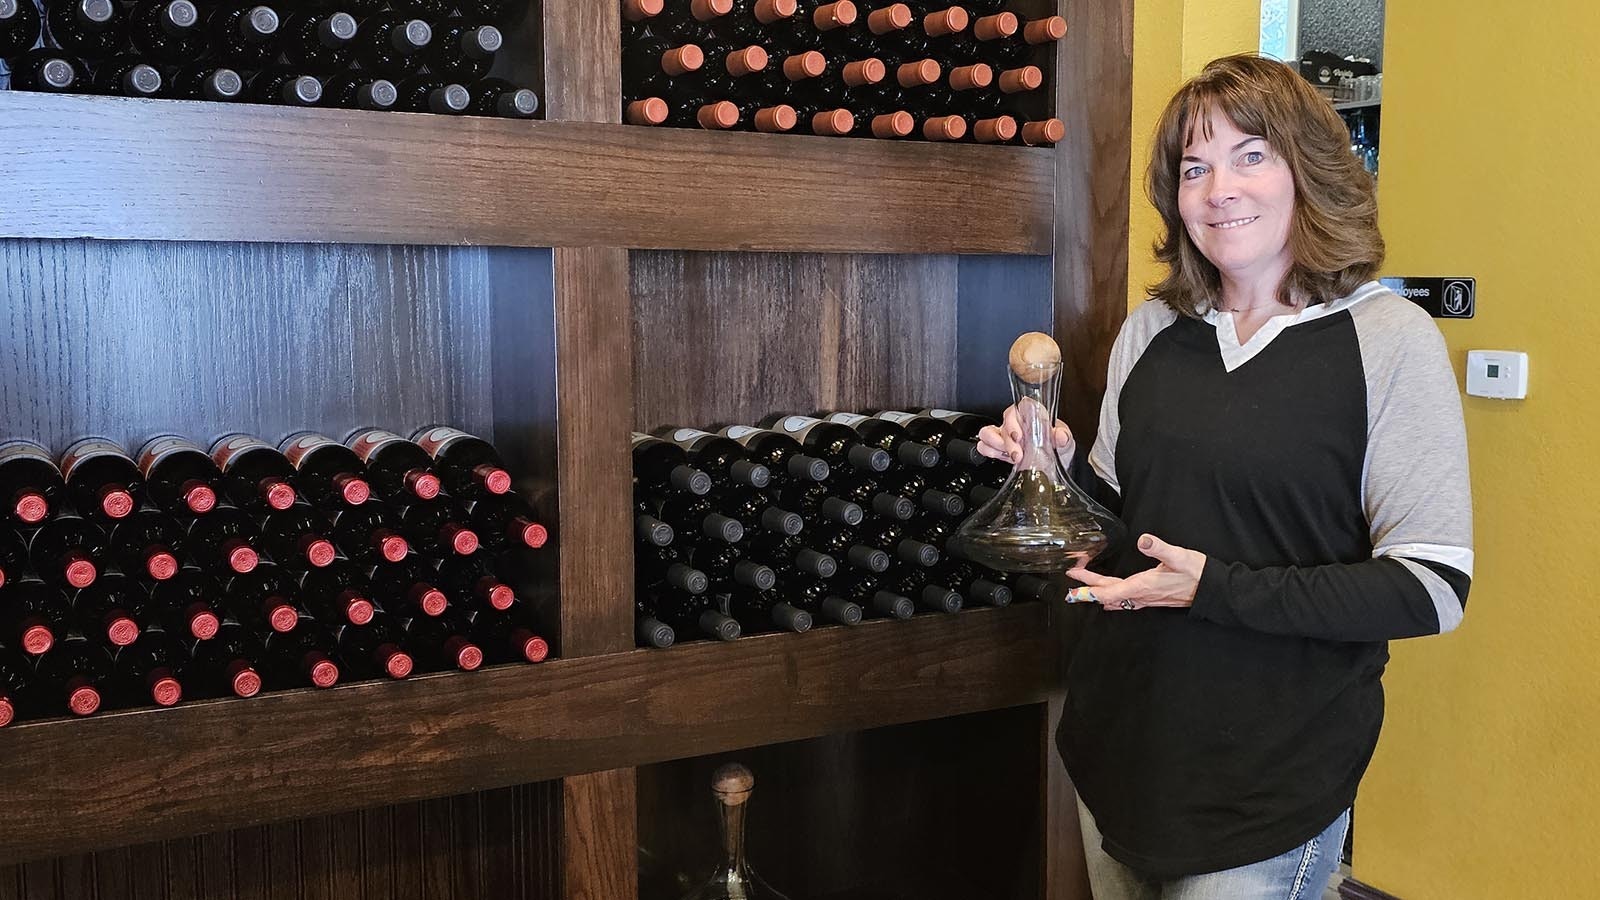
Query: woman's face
{"x":1236,"y":197}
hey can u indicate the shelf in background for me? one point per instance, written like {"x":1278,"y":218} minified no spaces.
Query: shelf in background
{"x":117,"y":168}
{"x":143,"y":775}
{"x":1347,"y":105}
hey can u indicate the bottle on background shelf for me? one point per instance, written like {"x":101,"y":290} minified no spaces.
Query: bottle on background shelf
{"x":507,"y":522}
{"x":243,"y":34}
{"x":167,"y":32}
{"x":839,"y":445}
{"x":693,"y":616}
{"x":867,"y":591}
{"x":255,"y":476}
{"x":297,"y":538}
{"x":263,"y":599}
{"x":1027,"y":42}
{"x":405,"y":588}
{"x":695,"y":22}
{"x":438,"y":527}
{"x":398,"y":470}
{"x":783,"y":456}
{"x":648,"y":629}
{"x":938,"y":434}
{"x":473,"y":583}
{"x":821,"y":600}
{"x":889,"y":437}
{"x":73,"y":675}
{"x":68,"y":550}
{"x":300,"y":657}
{"x":1043,"y":132}
{"x":636,"y":18}
{"x":357,"y":90}
{"x":462,"y":50}
{"x":649,"y":531}
{"x":727,"y":568}
{"x":790,"y":558}
{"x":148,"y":544}
{"x":13,"y":556}
{"x":756,"y":512}
{"x":94,"y":29}
{"x":664,"y":467}
{"x":286,"y":86}
{"x":151,"y":670}
{"x":442,"y":643}
{"x":373,"y":649}
{"x":48,"y":70}
{"x":390,"y":45}
{"x":102,"y":480}
{"x":813,"y":25}
{"x":326,"y":471}
{"x":762,"y":612}
{"x":337,"y":594}
{"x":20,"y":27}
{"x":468,"y":466}
{"x":33,"y":618}
{"x":916,"y":486}
{"x":369,"y":533}
{"x":689,"y":515}
{"x":230,"y":664}
{"x":840,"y":543}
{"x":179,"y":476}
{"x":187,"y":604}
{"x":917,"y":582}
{"x":818,"y":503}
{"x":502,"y":99}
{"x":224,"y":542}
{"x":30,"y":481}
{"x":973,"y":583}
{"x":431,"y":94}
{"x":667,"y":568}
{"x":16,"y":682}
{"x":320,"y":43}
{"x":510,"y":636}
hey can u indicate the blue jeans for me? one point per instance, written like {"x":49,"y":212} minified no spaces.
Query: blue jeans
{"x":1300,"y":874}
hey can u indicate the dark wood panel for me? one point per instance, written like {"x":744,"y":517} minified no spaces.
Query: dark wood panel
{"x":175,"y":170}
{"x":447,"y":734}
{"x":731,"y":337}
{"x":600,"y":848}
{"x":1000,"y":297}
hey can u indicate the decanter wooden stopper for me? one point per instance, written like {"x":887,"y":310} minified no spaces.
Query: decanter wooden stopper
{"x":733,"y":784}
{"x":1033,"y":356}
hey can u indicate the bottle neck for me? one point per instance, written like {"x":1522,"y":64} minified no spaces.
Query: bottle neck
{"x":733,"y":816}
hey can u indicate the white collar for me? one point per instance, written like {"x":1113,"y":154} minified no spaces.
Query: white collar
{"x":1235,"y":354}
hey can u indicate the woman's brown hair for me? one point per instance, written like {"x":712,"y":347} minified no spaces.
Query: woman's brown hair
{"x":1333,"y":240}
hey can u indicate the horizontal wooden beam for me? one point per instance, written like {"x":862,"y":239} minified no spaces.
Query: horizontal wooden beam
{"x":138,"y":776}
{"x":119,"y":168}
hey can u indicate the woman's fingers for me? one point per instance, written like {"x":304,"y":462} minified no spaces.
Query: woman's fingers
{"x":992,"y":443}
{"x":1093,"y":579}
{"x":1011,"y":429}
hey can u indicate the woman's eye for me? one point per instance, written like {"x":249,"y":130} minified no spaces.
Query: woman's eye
{"x":1253,"y":157}
{"x":1193,"y":172}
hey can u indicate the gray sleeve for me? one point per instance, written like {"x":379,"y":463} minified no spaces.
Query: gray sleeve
{"x":1138,"y":330}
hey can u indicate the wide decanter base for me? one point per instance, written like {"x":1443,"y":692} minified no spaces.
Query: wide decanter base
{"x":1039,"y":551}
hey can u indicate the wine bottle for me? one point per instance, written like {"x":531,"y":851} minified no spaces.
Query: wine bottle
{"x":127,"y":76}
{"x":954,"y":92}
{"x":651,"y":61}
{"x":695,"y":22}
{"x":398,"y":470}
{"x":636,"y":16}
{"x":690,"y":515}
{"x":500,"y":98}
{"x":883,"y":29}
{"x":13,"y":556}
{"x":649,"y":111}
{"x":508,"y":636}
{"x":319,"y":43}
{"x":358,"y":90}
{"x":73,"y":675}
{"x":336,"y":594}
{"x":438,"y":528}
{"x":223,"y":541}
{"x":326,"y":471}
{"x":16,"y":683}
{"x":48,"y":70}
{"x":789,"y":557}
{"x":461,"y":50}
{"x":917,"y":583}
{"x":821,"y":600}
{"x":978,"y":43}
{"x":839,"y":445}
{"x":264,"y":599}
{"x":228,"y":664}
{"x":68,"y":550}
{"x":507,"y":522}
{"x":823,"y":119}
{"x":915,"y":486}
{"x":151,"y":670}
{"x":286,"y":86}
{"x":840,"y":543}
{"x":648,"y":629}
{"x":178,"y":474}
{"x":809,"y":28}
{"x":866,"y":493}
{"x":297,"y":538}
{"x":431,"y":10}
{"x":755,"y":512}
{"x":666,"y":568}
{"x":751,"y":21}
{"x":691,"y":105}
{"x":404,"y":587}
{"x":166,"y":31}
{"x":1023,"y":46}
{"x":299,"y":657}
{"x":30,"y":482}
{"x":471,"y":582}
{"x":889,"y":437}
{"x":496,"y":11}
{"x":89,"y":28}
{"x":694,"y":615}
{"x":390,"y":45}
{"x":663,"y":467}
{"x":186,"y":604}
{"x":468,"y":466}
{"x":148,"y":544}
{"x":762,"y":612}
{"x":102,"y":479}
{"x":891,"y":538}
{"x":1043,"y":132}
{"x":867,"y":591}
{"x":818,"y":503}
{"x":994,"y":130}
{"x":727,"y":569}
{"x":19,"y":28}
{"x":928,"y":36}
{"x":34,"y":617}
{"x":938,"y":434}
{"x":649,"y":531}
{"x":242,"y":34}
{"x":975,"y":585}
{"x":369,"y":533}
{"x":783,"y":456}
{"x":442,"y":643}
{"x":255,"y":476}
{"x":375,"y":649}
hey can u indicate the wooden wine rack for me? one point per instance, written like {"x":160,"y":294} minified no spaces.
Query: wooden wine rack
{"x":553,"y":284}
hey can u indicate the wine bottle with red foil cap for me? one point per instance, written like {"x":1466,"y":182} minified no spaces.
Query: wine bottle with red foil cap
{"x":297,"y":538}
{"x":918,"y":583}
{"x":510,"y":636}
{"x":242,"y":34}
{"x":844,"y":449}
{"x":19,"y":27}
{"x":179,"y":475}
{"x":667,"y":568}
{"x":766,"y":612}
{"x":102,"y":480}
{"x":442,"y":643}
{"x":228,"y":665}
{"x":398,"y":470}
{"x":402,"y":589}
{"x":154,"y":669}
{"x":13,"y":556}
{"x":114,"y":609}
{"x":73,"y":675}
{"x":472,"y":582}
{"x":438,"y":528}
{"x":94,"y":29}
{"x":818,"y":503}
{"x":33,"y":616}
{"x":507,"y":522}
{"x":783,"y":456}
{"x":30,"y":482}
{"x":148,"y":544}
{"x":300,"y":657}
{"x":790,"y":558}
{"x":68,"y":550}
{"x":16,"y":682}
{"x":369,"y":533}
{"x":337,"y":594}
{"x":690,"y":616}
{"x":822,"y":600}
{"x":868,"y":591}
{"x":375,"y":649}
{"x":468,"y":466}
{"x":187,"y":604}
{"x":663,"y":467}
{"x":330,"y":474}
{"x":224,"y":542}
{"x":255,"y":476}
{"x":264,"y":599}
{"x":890,"y":437}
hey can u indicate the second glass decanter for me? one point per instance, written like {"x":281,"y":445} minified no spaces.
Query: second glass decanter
{"x":732,"y":785}
{"x":1040,"y":521}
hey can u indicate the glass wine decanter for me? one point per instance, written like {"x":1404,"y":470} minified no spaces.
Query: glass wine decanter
{"x":1039,"y":521}
{"x":732,"y":785}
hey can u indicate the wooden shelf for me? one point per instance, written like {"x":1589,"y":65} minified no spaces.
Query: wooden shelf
{"x":131,"y":777}
{"x":116,"y":168}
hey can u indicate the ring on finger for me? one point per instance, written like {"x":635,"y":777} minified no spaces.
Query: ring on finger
{"x":1126,"y":603}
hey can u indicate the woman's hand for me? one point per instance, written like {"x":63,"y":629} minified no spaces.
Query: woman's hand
{"x":1172,"y":582}
{"x":1004,"y":442}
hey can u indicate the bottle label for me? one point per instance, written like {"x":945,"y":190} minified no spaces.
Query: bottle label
{"x":20,"y":448}
{"x":899,"y":418}
{"x":229,"y":448}
{"x":798,"y":425}
{"x":296,"y":447}
{"x":83,"y":451}
{"x":640,"y":437}
{"x":367,"y":443}
{"x":844,"y":418}
{"x":945,"y":414}
{"x":740,"y":432}
{"x":162,"y":446}
{"x":437,"y":440}
{"x":689,"y":435}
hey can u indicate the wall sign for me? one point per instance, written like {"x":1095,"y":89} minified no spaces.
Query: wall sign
{"x":1443,"y":298}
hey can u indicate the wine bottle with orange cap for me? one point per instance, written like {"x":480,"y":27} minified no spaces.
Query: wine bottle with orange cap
{"x":815,"y":25}
{"x":1025,"y":45}
{"x":696,"y":22}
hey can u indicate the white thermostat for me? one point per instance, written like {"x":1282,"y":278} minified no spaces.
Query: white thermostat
{"x":1497,"y":374}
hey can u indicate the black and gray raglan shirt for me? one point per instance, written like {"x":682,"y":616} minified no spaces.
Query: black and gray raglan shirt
{"x":1321,"y":466}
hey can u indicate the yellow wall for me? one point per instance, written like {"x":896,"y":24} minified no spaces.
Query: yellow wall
{"x":1487,"y":779}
